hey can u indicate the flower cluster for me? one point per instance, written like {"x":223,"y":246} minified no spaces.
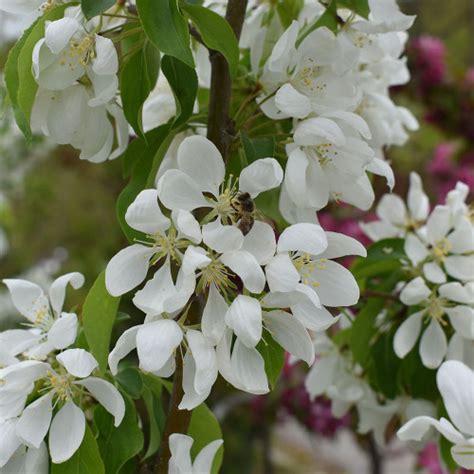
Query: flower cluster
{"x":44,"y":384}
{"x":440,"y":263}
{"x":246,"y":279}
{"x":335,"y":88}
{"x":76,"y":71}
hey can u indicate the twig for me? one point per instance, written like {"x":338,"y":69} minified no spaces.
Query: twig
{"x":220,"y":127}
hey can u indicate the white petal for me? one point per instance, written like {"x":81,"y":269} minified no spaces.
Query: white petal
{"x":335,"y":284}
{"x":304,"y":237}
{"x":418,"y":202}
{"x":417,"y":427}
{"x":249,"y":368}
{"x":321,"y":375}
{"x":191,"y":399}
{"x":9,"y":441}
{"x":127,"y":269}
{"x":179,"y":191}
{"x":213,"y":316}
{"x":438,"y":224}
{"x":414,"y":292}
{"x":124,"y":345}
{"x":461,"y":239}
{"x":37,"y":460}
{"x":180,"y":447}
{"x":187,"y":225}
{"x":434,"y":273}
{"x":340,"y":245}
{"x":199,"y":158}
{"x":106,"y":60}
{"x":290,"y":334}
{"x":464,"y":455}
{"x":203,"y":461}
{"x":391,"y":208}
{"x":204,"y":357}
{"x":194,"y":258}
{"x":35,"y":420}
{"x":315,"y":131}
{"x":144,"y":214}
{"x":262,"y":175}
{"x":407,"y":334}
{"x":433,"y":345}
{"x":313,"y":318}
{"x":222,"y":238}
{"x":77,"y":362}
{"x":245,"y":318}
{"x":107,"y":395}
{"x":460,"y":267}
{"x":245,"y":265}
{"x":292,"y":102}
{"x":64,"y":331}
{"x":456,"y":384}
{"x":281,"y":274}
{"x":455,"y":291}
{"x":28,"y":298}
{"x":462,"y":320}
{"x":284,"y":49}
{"x":57,"y":292}
{"x":156,"y":342}
{"x":260,"y":242}
{"x":415,"y":249}
{"x":66,"y":432}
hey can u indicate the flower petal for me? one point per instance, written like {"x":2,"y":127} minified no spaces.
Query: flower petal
{"x":414,"y":292}
{"x":245,"y":318}
{"x":433,"y":345}
{"x":260,"y":242}
{"x":66,"y":432}
{"x":124,"y":345}
{"x":304,"y":237}
{"x":222,"y":238}
{"x":281,"y":274}
{"x":260,"y":176}
{"x":407,"y":334}
{"x":57,"y":292}
{"x":64,"y":331}
{"x":292,"y":102}
{"x":340,"y":245}
{"x":180,"y":447}
{"x":107,"y":395}
{"x":434,"y":273}
{"x":321,"y":375}
{"x":203,"y":461}
{"x":127,"y":269}
{"x":106,"y":60}
{"x":245,"y":265}
{"x":290,"y":334}
{"x":144,"y":214}
{"x":213,"y":316}
{"x":77,"y":362}
{"x":200,"y":159}
{"x":35,"y":420}
{"x":462,"y":320}
{"x":187,"y":225}
{"x":156,"y":342}
{"x":28,"y":298}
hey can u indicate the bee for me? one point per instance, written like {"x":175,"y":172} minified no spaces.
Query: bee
{"x":245,"y":212}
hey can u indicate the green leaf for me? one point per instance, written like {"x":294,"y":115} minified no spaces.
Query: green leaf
{"x":216,"y":33}
{"x":328,"y":19}
{"x":184,"y":84}
{"x":415,"y":379}
{"x":131,"y":382}
{"x":137,"y":80}
{"x":98,"y":317}
{"x":288,"y":10}
{"x":20,"y":82}
{"x":86,"y":460}
{"x":139,"y":159}
{"x":204,"y":428}
{"x":256,"y":148}
{"x":93,"y":8}
{"x":273,"y":355}
{"x":156,"y":416}
{"x":166,"y":28}
{"x":361,"y":7}
{"x":118,"y":444}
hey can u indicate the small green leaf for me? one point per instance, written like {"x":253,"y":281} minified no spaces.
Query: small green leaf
{"x":20,"y":82}
{"x":256,"y":148}
{"x":98,"y":317}
{"x":131,"y":382}
{"x":328,"y":19}
{"x":184,"y":84}
{"x":216,"y":33}
{"x":118,"y":444}
{"x":86,"y":460}
{"x":204,"y":428}
{"x":93,"y":8}
{"x":288,"y":10}
{"x":137,"y":80}
{"x":273,"y":355}
{"x":166,"y":28}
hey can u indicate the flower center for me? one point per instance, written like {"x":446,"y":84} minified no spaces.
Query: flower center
{"x":307,"y":266}
{"x":436,"y":309}
{"x":61,"y":385}
{"x":441,"y":249}
{"x":325,"y":151}
{"x":223,"y":207}
{"x":216,"y":273}
{"x":84,"y":49}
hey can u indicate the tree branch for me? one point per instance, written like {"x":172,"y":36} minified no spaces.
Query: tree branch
{"x":220,"y":127}
{"x":177,"y":420}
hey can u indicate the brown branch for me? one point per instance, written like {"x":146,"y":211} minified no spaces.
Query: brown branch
{"x":177,"y":420}
{"x":220,"y":127}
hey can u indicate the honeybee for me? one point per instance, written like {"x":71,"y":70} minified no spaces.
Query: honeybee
{"x":245,"y":212}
